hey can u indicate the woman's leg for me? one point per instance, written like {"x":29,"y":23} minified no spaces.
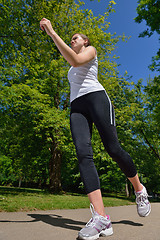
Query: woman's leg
{"x":95,"y":198}
{"x":136,"y":183}
{"x":81,"y":133}
{"x":81,"y":129}
{"x":102,"y":114}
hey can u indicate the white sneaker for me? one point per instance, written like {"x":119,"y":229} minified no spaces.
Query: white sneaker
{"x":97,"y":225}
{"x":143,"y":205}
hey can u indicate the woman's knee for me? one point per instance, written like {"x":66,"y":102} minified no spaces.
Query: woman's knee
{"x":84,"y":150}
{"x":114,"y":151}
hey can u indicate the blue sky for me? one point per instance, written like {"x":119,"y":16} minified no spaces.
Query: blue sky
{"x":136,"y":53}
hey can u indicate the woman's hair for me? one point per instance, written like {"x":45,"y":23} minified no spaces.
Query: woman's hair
{"x":84,"y":37}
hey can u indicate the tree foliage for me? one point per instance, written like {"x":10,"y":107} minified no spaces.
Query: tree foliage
{"x":149,"y":10}
{"x":149,"y":127}
{"x":34,"y":86}
{"x":34,"y":101}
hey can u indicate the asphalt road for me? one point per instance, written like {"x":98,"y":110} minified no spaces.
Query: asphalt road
{"x":65,"y":224}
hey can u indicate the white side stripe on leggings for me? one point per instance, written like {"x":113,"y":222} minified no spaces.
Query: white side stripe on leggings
{"x":111,"y":113}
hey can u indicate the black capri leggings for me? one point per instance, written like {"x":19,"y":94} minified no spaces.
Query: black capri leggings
{"x":96,"y":108}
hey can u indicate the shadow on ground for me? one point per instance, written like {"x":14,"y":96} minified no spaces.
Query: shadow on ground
{"x":59,"y":221}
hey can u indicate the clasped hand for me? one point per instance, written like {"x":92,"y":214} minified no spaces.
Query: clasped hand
{"x":46,"y":25}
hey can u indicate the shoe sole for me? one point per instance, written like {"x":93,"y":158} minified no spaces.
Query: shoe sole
{"x":106,"y":232}
{"x":146,"y":213}
{"x":103,"y":233}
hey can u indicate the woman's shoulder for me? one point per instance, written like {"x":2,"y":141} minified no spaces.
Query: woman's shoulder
{"x":92,"y":49}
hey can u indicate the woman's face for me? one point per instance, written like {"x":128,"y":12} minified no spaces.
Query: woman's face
{"x":77,"y":42}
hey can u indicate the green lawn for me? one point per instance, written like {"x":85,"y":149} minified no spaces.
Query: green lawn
{"x":21,"y":199}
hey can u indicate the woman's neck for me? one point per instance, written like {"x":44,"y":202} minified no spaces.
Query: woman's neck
{"x":80,"y":50}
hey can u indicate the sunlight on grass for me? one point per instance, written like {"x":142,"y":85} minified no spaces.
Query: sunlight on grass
{"x":14,"y":199}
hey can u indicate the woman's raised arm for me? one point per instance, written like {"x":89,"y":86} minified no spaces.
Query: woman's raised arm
{"x":73,"y":58}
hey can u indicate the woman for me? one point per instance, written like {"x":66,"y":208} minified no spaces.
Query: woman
{"x":91,"y":104}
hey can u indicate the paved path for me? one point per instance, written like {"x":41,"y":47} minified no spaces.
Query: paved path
{"x":64,"y":224}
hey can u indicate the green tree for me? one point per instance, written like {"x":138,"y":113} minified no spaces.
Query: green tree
{"x":34,"y":86}
{"x":148,"y":125}
{"x":34,"y":99}
{"x":6,"y":170}
{"x":149,"y":10}
{"x":146,"y":130}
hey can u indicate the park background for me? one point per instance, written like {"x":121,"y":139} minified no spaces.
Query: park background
{"x":36,"y":148}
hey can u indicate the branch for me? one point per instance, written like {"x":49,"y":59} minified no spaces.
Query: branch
{"x":149,"y":144}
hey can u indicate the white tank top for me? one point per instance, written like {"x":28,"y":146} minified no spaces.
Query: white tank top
{"x":84,"y":79}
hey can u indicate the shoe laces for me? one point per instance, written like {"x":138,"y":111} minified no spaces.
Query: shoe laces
{"x":95,"y":217}
{"x":91,"y":222}
{"x":141,"y":198}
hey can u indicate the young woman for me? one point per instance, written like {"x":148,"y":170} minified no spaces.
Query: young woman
{"x":91,"y":104}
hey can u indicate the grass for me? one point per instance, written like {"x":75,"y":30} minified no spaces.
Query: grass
{"x":24,"y":199}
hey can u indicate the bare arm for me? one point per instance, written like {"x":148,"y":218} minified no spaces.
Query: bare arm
{"x":72,"y":57}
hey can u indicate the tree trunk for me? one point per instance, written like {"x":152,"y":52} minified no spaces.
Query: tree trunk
{"x":155,"y":151}
{"x":55,"y":169}
{"x":128,"y":188}
{"x":20,"y":181}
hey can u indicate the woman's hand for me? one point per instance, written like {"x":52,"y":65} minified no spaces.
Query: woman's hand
{"x":72,"y":57}
{"x":45,"y":24}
